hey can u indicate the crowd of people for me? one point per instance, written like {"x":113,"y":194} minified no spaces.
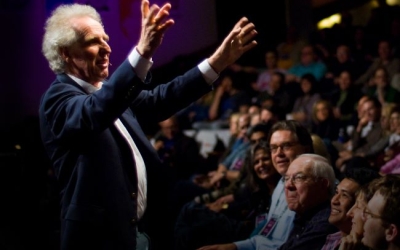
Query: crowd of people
{"x":313,"y":152}
{"x":312,"y":160}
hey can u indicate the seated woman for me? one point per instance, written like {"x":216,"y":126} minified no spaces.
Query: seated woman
{"x":234,"y":216}
{"x":228,"y":171}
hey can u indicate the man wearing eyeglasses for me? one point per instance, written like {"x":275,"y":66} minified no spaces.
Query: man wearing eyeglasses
{"x":342,"y":201}
{"x":309,"y":186}
{"x":381,"y":216}
{"x":287,"y":140}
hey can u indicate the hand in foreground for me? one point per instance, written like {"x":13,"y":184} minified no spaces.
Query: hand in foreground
{"x":221,"y":203}
{"x":216,"y":207}
{"x":202,"y":181}
{"x":154,"y":26}
{"x":238,"y":41}
{"x":350,"y":242}
{"x":229,"y":246}
{"x":215,"y":178}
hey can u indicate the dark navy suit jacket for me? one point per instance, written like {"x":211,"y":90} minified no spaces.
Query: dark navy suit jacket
{"x":92,"y":161}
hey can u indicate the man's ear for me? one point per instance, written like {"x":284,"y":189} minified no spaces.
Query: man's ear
{"x":325,"y":183}
{"x":392,"y":233}
{"x":64,"y":54}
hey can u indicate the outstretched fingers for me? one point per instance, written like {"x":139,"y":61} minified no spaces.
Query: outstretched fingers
{"x":144,"y":7}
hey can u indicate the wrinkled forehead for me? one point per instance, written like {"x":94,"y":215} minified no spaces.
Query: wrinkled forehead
{"x":299,"y":165}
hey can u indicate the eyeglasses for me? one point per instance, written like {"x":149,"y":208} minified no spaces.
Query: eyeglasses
{"x":296,"y":178}
{"x":285,"y":146}
{"x":366,"y":214}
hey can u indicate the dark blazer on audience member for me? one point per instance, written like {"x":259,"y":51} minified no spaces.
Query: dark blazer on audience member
{"x":93,"y":162}
{"x":362,"y":145}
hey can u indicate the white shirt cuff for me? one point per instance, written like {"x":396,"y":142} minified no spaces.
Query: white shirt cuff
{"x":208,"y":73}
{"x":140,"y":64}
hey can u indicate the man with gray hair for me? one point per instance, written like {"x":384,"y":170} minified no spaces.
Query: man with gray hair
{"x":287,"y":139}
{"x":90,"y":123}
{"x":309,"y":186}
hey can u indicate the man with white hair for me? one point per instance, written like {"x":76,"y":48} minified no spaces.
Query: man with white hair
{"x":309,"y":186}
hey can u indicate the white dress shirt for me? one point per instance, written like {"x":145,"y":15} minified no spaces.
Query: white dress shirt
{"x":141,"y":67}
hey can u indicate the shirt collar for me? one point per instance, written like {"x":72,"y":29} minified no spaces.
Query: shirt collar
{"x":89,"y":88}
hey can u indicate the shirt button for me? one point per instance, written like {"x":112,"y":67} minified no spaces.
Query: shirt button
{"x":133,"y":195}
{"x":133,"y":221}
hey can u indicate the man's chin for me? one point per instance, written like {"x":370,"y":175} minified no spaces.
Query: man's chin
{"x":282,"y":169}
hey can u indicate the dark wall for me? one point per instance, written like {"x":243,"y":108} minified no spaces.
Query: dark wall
{"x":268,"y":16}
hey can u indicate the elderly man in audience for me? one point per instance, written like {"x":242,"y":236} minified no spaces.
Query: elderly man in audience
{"x":309,"y":186}
{"x":381,"y":216}
{"x":287,"y":140}
{"x":343,"y":200}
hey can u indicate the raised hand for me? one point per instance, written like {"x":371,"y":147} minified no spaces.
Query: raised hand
{"x":154,"y":26}
{"x":238,"y":41}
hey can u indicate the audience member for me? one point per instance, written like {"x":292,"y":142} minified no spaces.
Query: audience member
{"x":233,"y":216}
{"x":309,"y":186}
{"x":278,"y":96}
{"x":309,"y":63}
{"x":338,"y":64}
{"x":379,"y":87}
{"x":376,"y":153}
{"x":385,"y":59}
{"x":381,"y":215}
{"x":287,"y":140}
{"x":356,"y":116}
{"x":233,"y":134}
{"x":196,"y":112}
{"x":228,"y":98}
{"x":303,"y":105}
{"x":89,"y":124}
{"x":270,"y":114}
{"x":265,"y":77}
{"x":343,"y":200}
{"x":391,"y":167}
{"x":344,"y":98}
{"x":367,"y":133}
{"x":324,"y":123}
{"x":179,"y":152}
{"x":352,"y":241}
{"x":228,"y":171}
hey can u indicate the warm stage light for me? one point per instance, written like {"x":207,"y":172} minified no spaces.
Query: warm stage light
{"x":329,"y":21}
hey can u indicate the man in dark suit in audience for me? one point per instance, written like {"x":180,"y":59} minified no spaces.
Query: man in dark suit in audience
{"x":365,"y":136}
